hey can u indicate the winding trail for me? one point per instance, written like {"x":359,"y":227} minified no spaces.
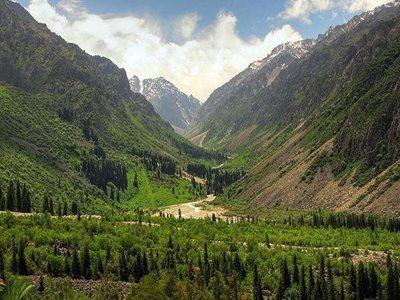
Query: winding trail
{"x":195,"y":210}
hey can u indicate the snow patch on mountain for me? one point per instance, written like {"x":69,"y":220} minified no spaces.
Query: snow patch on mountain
{"x":169,"y":102}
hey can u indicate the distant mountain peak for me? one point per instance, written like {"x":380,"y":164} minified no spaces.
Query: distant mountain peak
{"x":169,"y":102}
{"x":297,"y":49}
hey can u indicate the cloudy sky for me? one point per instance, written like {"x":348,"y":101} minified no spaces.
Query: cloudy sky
{"x":196,"y":44}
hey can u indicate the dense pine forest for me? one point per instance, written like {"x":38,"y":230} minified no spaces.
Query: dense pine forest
{"x":298,"y":255}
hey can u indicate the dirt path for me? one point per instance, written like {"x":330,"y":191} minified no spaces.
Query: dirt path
{"x":197,"y":210}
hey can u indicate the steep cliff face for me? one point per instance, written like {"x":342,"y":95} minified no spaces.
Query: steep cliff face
{"x":169,"y":102}
{"x":325,"y":132}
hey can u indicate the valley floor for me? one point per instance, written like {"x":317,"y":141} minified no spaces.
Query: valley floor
{"x":196,"y":210}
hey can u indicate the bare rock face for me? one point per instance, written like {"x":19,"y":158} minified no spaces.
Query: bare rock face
{"x":169,"y":102}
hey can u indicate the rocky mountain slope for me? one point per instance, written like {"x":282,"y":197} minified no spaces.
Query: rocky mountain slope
{"x":169,"y":102}
{"x":70,"y":125}
{"x":325,"y":133}
{"x":222,"y":112}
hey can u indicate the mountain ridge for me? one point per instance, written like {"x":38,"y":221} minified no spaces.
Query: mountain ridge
{"x":324,"y":133}
{"x":169,"y":102}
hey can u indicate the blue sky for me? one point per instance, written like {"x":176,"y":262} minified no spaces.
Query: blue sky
{"x":198,"y":45}
{"x":255,"y":17}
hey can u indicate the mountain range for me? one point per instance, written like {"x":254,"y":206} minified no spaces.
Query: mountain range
{"x":169,"y":102}
{"x":316,"y":123}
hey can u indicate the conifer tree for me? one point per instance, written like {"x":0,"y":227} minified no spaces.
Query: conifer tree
{"x":319,"y":292}
{"x":18,"y":197}
{"x":67,"y":266}
{"x":138,"y":267}
{"x":352,"y":282}
{"x":2,"y":200}
{"x":26,"y":200}
{"x":10,"y":203}
{"x":22,"y":267}
{"x":74,"y":208}
{"x":123,"y":267}
{"x":207,"y":269}
{"x":100,"y":268}
{"x":257,"y":289}
{"x":303,"y":287}
{"x":342,"y":294}
{"x":86,"y":271}
{"x":59,"y":210}
{"x":2,"y":264}
{"x":311,"y":282}
{"x":51,"y":206}
{"x":65,"y":209}
{"x":295,"y":270}
{"x":76,"y":267}
{"x":331,"y":285}
{"x":145,"y":264}
{"x":284,"y":280}
{"x":46,"y":204}
{"x":234,"y":287}
{"x":14,"y":261}
{"x":136,"y":181}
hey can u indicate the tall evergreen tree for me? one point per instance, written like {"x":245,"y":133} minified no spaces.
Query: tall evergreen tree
{"x":22,"y":267}
{"x":67,"y":266}
{"x":46,"y":204}
{"x":86,"y":265}
{"x":100,"y":267}
{"x":2,"y":200}
{"x":2,"y":264}
{"x":76,"y":267}
{"x":295,"y":270}
{"x":284,"y":280}
{"x":65,"y":209}
{"x":123,"y":267}
{"x":26,"y":200}
{"x":136,"y":181}
{"x":74,"y":208}
{"x":10,"y":203}
{"x":51,"y":206}
{"x":18,"y":197}
{"x":207,"y":268}
{"x":14,"y":261}
{"x":352,"y":282}
{"x":311,"y":282}
{"x":138,"y":272}
{"x":303,"y":287}
{"x":257,"y":289}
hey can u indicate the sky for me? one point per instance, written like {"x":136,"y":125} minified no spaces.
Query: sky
{"x":196,"y":44}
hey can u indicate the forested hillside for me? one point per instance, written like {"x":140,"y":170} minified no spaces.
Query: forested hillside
{"x":73,"y":131}
{"x":324,"y":133}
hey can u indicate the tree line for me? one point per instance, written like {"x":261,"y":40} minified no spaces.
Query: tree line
{"x":346,"y":220}
{"x":103,"y":171}
{"x":216,"y":179}
{"x":200,"y":153}
{"x":16,"y":198}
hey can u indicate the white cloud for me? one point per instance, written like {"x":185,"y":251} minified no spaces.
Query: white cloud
{"x":186,"y":25}
{"x":363,"y":5}
{"x":303,"y":9}
{"x":201,"y":62}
